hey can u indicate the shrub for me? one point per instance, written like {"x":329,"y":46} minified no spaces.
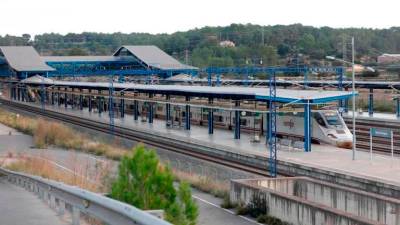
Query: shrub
{"x":227,"y":203}
{"x":257,"y":206}
{"x":242,"y":209}
{"x":270,"y":220}
{"x":144,"y":183}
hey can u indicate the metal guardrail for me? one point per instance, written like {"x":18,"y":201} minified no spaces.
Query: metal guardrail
{"x":62,"y":197}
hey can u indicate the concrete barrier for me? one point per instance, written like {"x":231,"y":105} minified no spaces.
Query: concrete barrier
{"x":304,"y":200}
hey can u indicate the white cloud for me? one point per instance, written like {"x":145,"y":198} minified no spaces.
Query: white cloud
{"x":158,"y":16}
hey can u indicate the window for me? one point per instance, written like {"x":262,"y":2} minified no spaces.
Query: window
{"x":218,"y":118}
{"x":319,"y":119}
{"x":333,"y":119}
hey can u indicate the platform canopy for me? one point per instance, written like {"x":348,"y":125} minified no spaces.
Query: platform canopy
{"x":24,"y":59}
{"x":226,"y":92}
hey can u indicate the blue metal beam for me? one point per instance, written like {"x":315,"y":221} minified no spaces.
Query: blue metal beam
{"x":150,"y":109}
{"x":66,"y":98}
{"x":168,"y":111}
{"x":371,"y":102}
{"x":90,"y":100}
{"x":80,"y":100}
{"x":237,"y":121}
{"x":99,"y":103}
{"x":135,"y":110}
{"x":210,"y":116}
{"x":59,"y":97}
{"x":307,"y":127}
{"x":122,"y":105}
{"x":187,"y":114}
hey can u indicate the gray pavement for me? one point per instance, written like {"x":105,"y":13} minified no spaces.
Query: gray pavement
{"x":212,"y":214}
{"x":20,"y":207}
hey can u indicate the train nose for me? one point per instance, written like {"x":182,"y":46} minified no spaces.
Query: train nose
{"x":345,"y":144}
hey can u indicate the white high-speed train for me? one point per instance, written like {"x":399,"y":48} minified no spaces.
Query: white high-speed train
{"x":327,"y":126}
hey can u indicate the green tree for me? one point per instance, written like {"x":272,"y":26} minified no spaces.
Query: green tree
{"x":143,"y":182}
{"x":77,"y":52}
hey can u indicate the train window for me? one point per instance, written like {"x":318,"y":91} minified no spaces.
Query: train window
{"x":319,"y":119}
{"x":333,"y":119}
{"x":218,"y":118}
{"x":243,"y":122}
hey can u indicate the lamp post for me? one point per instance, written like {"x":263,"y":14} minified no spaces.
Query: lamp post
{"x":353,"y":92}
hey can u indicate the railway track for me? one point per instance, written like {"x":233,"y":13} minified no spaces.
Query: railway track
{"x":381,"y":145}
{"x":188,"y":149}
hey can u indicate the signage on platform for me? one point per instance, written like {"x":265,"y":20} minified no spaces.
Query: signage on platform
{"x":379,"y":132}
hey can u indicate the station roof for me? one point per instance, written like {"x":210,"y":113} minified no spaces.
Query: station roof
{"x":24,"y":59}
{"x":49,"y":59}
{"x":27,"y":59}
{"x":228,"y":92}
{"x":154,"y":57}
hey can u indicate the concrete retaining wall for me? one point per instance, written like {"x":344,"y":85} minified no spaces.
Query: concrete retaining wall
{"x":308,"y":201}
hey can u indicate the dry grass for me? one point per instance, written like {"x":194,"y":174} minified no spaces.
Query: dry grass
{"x":205,"y":184}
{"x":73,"y":172}
{"x":48,"y":133}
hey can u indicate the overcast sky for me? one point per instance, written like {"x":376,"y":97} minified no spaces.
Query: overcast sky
{"x":167,"y":16}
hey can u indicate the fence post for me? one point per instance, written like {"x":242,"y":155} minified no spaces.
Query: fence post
{"x":76,"y":217}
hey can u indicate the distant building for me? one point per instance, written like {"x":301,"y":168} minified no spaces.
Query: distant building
{"x":227,"y":44}
{"x":389,"y":58}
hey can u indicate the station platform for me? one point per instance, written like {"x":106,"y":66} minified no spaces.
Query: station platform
{"x":381,"y":168}
{"x":376,"y":116}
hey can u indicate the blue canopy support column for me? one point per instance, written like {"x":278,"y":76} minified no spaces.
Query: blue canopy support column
{"x":52,"y":96}
{"x":90,"y":100}
{"x":150,"y":109}
{"x":210,"y":118}
{"x":23,"y":93}
{"x":371,"y":102}
{"x":187,"y":114}
{"x":72,"y":98}
{"x":80,"y":100}
{"x":135,"y":110}
{"x":11,"y":92}
{"x":59,"y":96}
{"x":122,"y":105}
{"x":398,"y":107}
{"x":18,"y":93}
{"x":99,"y":103}
{"x":267,"y":122}
{"x":237,"y":121}
{"x":66,"y":98}
{"x":307,"y":127}
{"x":168,"y":111}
